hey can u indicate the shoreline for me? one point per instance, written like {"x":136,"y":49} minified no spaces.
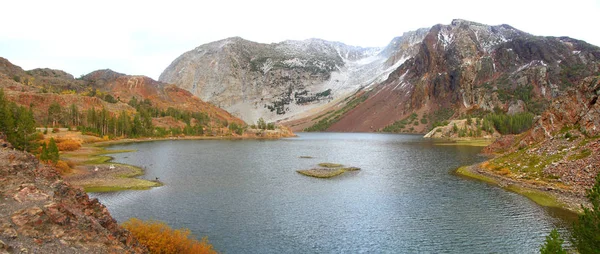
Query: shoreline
{"x":545,"y":195}
{"x":480,"y":142}
{"x":96,"y":173}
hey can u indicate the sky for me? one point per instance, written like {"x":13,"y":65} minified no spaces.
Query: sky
{"x":144,"y":37}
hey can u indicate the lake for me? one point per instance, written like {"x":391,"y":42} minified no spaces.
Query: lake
{"x":247,"y":197}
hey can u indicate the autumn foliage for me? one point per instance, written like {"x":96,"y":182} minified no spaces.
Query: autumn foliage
{"x":68,"y":145}
{"x":63,"y":167}
{"x":158,"y":237}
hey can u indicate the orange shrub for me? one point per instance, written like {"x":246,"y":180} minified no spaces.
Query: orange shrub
{"x":504,"y":171}
{"x":63,"y":167}
{"x":71,"y":164}
{"x":158,"y":237}
{"x":68,"y":145}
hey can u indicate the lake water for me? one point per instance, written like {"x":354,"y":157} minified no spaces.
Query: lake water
{"x":247,"y":198}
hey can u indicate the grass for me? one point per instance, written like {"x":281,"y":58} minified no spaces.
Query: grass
{"x":334,"y":117}
{"x":321,"y":173}
{"x":134,"y":184}
{"x":330,"y":165}
{"x":117,"y":181}
{"x":467,"y":142}
{"x":525,"y":162}
{"x":327,"y":170}
{"x":581,"y":155}
{"x":464,"y":171}
{"x":537,"y":196}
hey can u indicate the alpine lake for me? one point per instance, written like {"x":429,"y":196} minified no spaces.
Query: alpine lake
{"x":247,"y":197}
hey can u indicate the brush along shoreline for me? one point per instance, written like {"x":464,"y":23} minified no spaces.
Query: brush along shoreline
{"x":541,"y":193}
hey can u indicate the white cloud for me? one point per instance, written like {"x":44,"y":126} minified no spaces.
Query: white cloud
{"x":143,"y":37}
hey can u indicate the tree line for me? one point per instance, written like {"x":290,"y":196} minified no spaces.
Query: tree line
{"x":124,"y":124}
{"x":18,"y":124}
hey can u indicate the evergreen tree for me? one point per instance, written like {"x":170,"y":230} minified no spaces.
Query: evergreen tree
{"x":3,"y":113}
{"x":74,"y":115}
{"x":586,"y":231}
{"x":553,"y":244}
{"x":54,"y":113}
{"x":25,"y":128}
{"x":261,"y":124}
{"x":137,"y":128}
{"x":53,"y":154}
{"x":44,"y":155}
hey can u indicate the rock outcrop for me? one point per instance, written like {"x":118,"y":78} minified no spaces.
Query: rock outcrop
{"x":563,"y":146}
{"x":40,"y":213}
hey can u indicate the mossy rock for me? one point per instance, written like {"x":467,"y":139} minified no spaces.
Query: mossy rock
{"x":321,"y":172}
{"x":327,"y":170}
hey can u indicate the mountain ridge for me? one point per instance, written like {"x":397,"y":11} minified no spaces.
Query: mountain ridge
{"x":100,"y":89}
{"x":254,"y":80}
{"x":275,"y":80}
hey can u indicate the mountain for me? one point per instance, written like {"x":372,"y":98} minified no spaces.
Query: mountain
{"x":438,"y":73}
{"x":40,"y":213}
{"x":281,"y":80}
{"x":102,"y":89}
{"x":471,"y":68}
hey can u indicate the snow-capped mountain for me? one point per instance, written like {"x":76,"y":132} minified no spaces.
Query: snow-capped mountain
{"x":282,"y":80}
{"x":436,"y":73}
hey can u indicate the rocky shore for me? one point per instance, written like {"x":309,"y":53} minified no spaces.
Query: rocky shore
{"x":41,"y":213}
{"x":543,"y":194}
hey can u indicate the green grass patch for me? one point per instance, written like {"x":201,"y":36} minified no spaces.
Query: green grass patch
{"x":539,"y":197}
{"x":97,"y":189}
{"x":330,"y":165}
{"x":321,"y":173}
{"x":464,"y":171}
{"x":524,"y":162}
{"x":97,"y":160}
{"x":581,"y":155}
{"x":466,"y":142}
{"x":135,"y":171}
{"x":320,"y":116}
{"x":399,"y":126}
{"x":326,"y":122}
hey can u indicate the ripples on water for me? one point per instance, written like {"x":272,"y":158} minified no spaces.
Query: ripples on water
{"x":247,"y":198}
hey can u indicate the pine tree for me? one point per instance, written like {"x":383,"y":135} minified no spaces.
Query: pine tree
{"x":261,"y":124}
{"x":53,"y":154}
{"x":586,"y":231}
{"x":553,"y":244}
{"x":54,"y":113}
{"x":44,"y":154}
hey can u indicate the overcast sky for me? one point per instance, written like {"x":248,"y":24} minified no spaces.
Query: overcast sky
{"x":144,"y":37}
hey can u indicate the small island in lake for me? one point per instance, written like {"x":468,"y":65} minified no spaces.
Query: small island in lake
{"x":327,"y":170}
